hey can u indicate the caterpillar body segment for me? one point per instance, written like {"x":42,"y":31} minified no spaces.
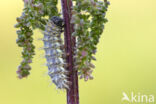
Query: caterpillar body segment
{"x":54,"y":52}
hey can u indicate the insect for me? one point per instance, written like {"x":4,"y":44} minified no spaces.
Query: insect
{"x":58,"y":21}
{"x":54,"y":53}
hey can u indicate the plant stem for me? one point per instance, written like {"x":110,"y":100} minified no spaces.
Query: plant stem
{"x":72,"y":92}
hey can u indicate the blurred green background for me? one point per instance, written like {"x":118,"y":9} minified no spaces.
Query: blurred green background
{"x":126,"y":58}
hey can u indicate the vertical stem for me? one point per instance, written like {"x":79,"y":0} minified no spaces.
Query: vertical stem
{"x":72,"y":92}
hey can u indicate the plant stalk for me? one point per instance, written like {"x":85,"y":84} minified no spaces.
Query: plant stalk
{"x":72,"y":92}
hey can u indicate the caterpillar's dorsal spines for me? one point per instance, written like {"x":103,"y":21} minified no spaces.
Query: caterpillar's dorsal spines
{"x":54,"y":53}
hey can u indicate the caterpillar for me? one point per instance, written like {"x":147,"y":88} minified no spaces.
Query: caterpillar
{"x":54,"y":52}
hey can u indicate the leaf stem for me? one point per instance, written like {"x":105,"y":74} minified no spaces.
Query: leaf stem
{"x":72,"y":92}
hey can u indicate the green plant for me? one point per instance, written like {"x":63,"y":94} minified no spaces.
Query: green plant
{"x":82,"y":23}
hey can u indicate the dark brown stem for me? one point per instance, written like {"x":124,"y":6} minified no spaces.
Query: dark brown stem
{"x":72,"y":92}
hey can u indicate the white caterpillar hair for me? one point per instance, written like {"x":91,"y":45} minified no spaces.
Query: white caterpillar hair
{"x":54,"y":52}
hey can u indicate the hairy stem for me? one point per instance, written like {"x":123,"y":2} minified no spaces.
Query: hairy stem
{"x":72,"y":92}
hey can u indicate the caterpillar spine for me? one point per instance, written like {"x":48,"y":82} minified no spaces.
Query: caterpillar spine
{"x":54,"y":53}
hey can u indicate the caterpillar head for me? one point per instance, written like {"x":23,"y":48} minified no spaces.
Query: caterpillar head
{"x":58,"y":21}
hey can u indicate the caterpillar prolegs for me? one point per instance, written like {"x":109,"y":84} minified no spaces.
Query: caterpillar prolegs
{"x":54,"y":52}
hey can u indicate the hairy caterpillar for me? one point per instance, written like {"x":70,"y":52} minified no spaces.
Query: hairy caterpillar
{"x":53,"y":46}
